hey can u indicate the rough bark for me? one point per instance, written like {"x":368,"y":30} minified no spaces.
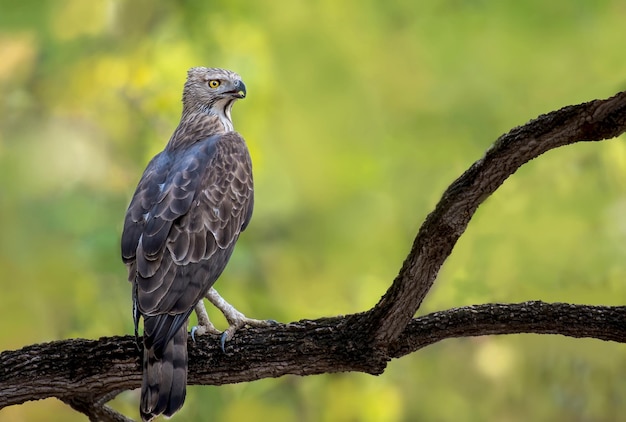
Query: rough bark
{"x":85,"y":374}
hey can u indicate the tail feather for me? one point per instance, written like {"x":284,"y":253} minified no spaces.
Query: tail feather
{"x":164,"y":383}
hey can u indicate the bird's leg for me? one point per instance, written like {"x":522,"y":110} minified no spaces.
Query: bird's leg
{"x":204,"y":323}
{"x":235,"y":319}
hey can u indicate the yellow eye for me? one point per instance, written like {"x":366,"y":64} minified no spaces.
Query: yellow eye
{"x":214,"y":83}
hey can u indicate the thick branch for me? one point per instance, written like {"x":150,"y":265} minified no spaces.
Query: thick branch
{"x":593,"y":121}
{"x":83,"y":372}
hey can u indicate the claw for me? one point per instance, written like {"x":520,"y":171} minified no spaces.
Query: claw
{"x":223,"y":339}
{"x":228,"y":334}
{"x":193,"y":332}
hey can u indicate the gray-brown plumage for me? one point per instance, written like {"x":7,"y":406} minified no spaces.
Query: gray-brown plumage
{"x":192,"y":202}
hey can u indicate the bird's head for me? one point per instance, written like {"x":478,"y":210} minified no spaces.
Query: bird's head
{"x":213,"y":91}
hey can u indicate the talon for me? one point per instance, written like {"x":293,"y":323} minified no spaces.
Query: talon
{"x":193,"y":332}
{"x":223,"y":339}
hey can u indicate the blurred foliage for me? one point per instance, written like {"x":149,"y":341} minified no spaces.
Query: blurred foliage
{"x":359,"y":114}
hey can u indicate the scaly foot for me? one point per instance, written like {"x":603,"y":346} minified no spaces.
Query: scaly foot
{"x":204,"y":323}
{"x":235,"y":319}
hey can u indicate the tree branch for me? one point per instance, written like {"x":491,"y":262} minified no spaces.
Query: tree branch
{"x":601,"y":322}
{"x":86,"y":373}
{"x":96,"y":412}
{"x":83,"y":372}
{"x":592,"y":121}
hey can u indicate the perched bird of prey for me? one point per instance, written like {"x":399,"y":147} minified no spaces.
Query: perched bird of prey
{"x":191,"y":204}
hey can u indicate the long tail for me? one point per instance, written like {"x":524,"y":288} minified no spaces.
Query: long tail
{"x":164,"y":383}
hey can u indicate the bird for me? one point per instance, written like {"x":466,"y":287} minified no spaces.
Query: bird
{"x":190,"y":206}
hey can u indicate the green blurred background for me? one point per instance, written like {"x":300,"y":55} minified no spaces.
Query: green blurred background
{"x":359,"y":114}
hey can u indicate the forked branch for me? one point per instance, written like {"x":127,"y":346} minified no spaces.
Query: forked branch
{"x":592,"y":121}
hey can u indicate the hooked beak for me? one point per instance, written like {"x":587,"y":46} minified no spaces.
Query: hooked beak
{"x":239,"y":91}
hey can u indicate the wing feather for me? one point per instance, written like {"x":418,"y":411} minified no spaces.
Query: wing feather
{"x":181,"y":226}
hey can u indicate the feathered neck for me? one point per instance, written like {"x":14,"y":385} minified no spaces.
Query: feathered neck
{"x":195,"y":126}
{"x":222,"y":110}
